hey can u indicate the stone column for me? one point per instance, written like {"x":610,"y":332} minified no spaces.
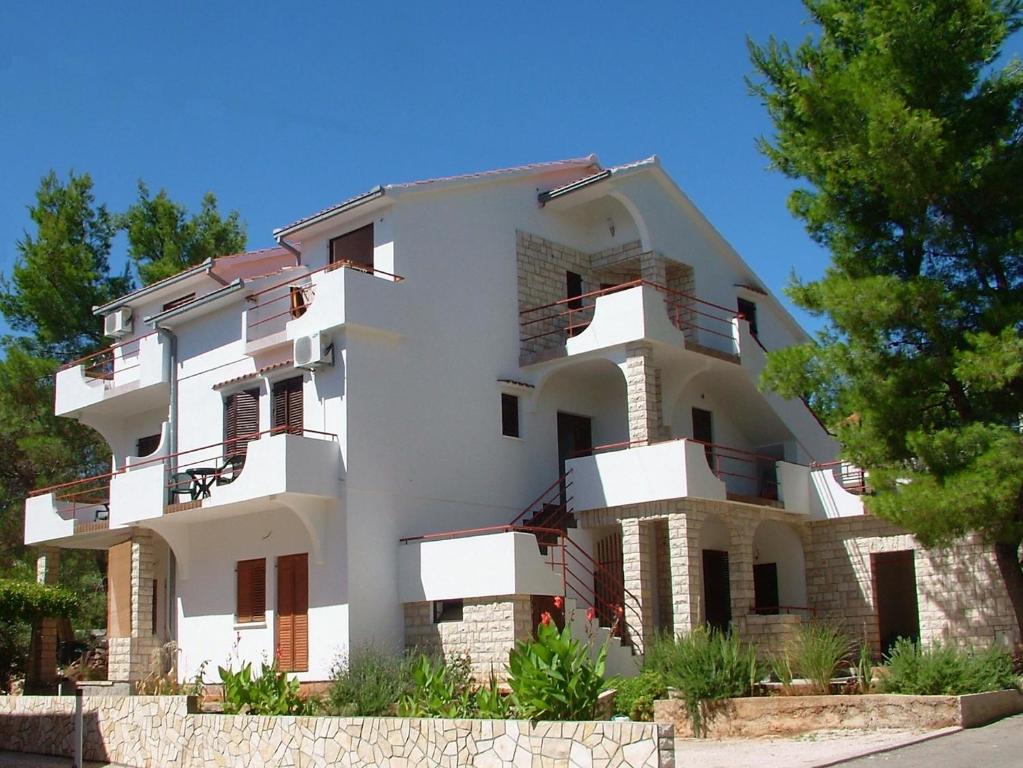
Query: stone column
{"x":686,"y":584}
{"x":638,"y":568}
{"x":134,"y":657}
{"x":651,"y":268}
{"x":643,"y":389}
{"x":740,"y":572}
{"x":42,"y":663}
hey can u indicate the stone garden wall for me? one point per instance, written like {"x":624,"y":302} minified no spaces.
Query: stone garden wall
{"x":152,"y":732}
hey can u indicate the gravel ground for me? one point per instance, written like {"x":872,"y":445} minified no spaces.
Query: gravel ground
{"x":813,"y":750}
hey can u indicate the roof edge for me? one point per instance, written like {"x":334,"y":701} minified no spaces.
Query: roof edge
{"x":203,"y":268}
{"x":232,"y":287}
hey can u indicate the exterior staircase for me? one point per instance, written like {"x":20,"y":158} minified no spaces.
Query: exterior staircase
{"x":621,"y":659}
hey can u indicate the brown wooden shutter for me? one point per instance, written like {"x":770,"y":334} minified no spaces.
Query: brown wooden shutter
{"x":251,"y":590}
{"x":119,"y":590}
{"x":287,"y":406}
{"x":241,"y":421}
{"x":293,"y":613}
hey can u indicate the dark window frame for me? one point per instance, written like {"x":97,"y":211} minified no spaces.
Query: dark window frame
{"x":356,"y":263}
{"x":511,"y":422}
{"x":748,"y":309}
{"x":448,"y":611}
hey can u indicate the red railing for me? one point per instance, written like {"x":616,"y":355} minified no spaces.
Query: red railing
{"x":84,"y":492}
{"x":749,"y":471}
{"x":553,"y":505}
{"x":570,"y":316}
{"x":776,"y":610}
{"x":117,"y":358}
{"x":291,"y":298}
{"x":849,"y":476}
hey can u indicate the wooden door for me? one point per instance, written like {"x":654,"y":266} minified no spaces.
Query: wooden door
{"x":609,"y":580}
{"x":286,"y":411}
{"x":717,"y":591}
{"x":898,"y":613}
{"x":293,"y":613}
{"x":765,"y":589}
{"x":241,"y":422}
{"x":119,"y":590}
{"x":354,"y":249}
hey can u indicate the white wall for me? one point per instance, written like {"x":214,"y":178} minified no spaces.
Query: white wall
{"x":206,"y":598}
{"x":776,"y":542}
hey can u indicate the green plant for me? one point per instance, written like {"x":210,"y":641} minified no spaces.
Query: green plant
{"x":817,"y":652}
{"x":271,"y":692}
{"x":438,"y":690}
{"x":635,"y":696}
{"x":781,"y":668}
{"x":946,"y":670}
{"x":490,"y":702}
{"x":864,"y":669}
{"x":27,"y":600}
{"x":368,"y":683}
{"x":705,"y":666}
{"x":553,"y":677}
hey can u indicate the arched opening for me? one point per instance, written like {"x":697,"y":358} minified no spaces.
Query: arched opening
{"x":715,"y":546}
{"x":779,"y":569}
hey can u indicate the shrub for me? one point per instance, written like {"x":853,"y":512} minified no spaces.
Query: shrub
{"x":438,"y":690}
{"x":272,"y":692}
{"x":369,"y":683}
{"x":818,"y":651}
{"x":705,"y":666}
{"x":553,"y":677}
{"x":946,"y":670}
{"x":635,"y":695}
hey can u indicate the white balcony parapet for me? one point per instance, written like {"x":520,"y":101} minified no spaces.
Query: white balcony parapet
{"x":139,"y":493}
{"x":49,"y":519}
{"x":504,"y":563}
{"x":668,"y":470}
{"x":137,"y":369}
{"x":829,"y":499}
{"x":624,"y":316}
{"x":320,"y":301}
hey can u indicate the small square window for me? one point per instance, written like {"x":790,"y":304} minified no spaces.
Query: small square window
{"x":447,"y":610}
{"x":509,"y":415}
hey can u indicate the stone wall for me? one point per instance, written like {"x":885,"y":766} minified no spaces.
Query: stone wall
{"x":770,"y":634}
{"x":151,"y":732}
{"x":489,"y":628}
{"x":960,"y":592}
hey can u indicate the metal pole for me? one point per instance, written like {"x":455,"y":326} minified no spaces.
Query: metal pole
{"x":79,"y":728}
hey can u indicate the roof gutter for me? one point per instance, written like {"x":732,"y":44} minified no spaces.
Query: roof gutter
{"x":545,"y":197}
{"x":205,"y":268}
{"x":233,"y":287}
{"x":374,"y":194}
{"x":290,"y":248}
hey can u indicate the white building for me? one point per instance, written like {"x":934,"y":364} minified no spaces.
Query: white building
{"x":559,"y":345}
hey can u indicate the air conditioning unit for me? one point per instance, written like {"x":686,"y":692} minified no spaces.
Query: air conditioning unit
{"x":313,"y":351}
{"x":118,"y":323}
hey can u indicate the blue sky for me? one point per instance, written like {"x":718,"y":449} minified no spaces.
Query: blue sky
{"x":281,"y":109}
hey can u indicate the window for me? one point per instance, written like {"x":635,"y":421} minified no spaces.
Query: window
{"x":179,"y":301}
{"x":241,"y":422}
{"x":147,"y":445}
{"x":749,"y":311}
{"x":509,"y":415}
{"x":447,"y":610}
{"x":574,"y":289}
{"x":286,"y":412}
{"x":354,"y":249}
{"x":251,"y":591}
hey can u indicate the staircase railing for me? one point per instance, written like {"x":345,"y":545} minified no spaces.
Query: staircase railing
{"x":555,"y":494}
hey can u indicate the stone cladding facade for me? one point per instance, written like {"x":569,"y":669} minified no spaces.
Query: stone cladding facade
{"x":152,"y":732}
{"x":489,"y":628}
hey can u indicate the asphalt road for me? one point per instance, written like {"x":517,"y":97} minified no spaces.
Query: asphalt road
{"x":999,"y":745}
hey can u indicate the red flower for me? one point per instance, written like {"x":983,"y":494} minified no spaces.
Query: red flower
{"x":619,"y":611}
{"x":545,"y":619}
{"x":591,"y":614}
{"x":559,"y":602}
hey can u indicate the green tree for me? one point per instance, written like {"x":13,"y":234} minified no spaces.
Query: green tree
{"x":164,"y":240}
{"x":905,"y":130}
{"x":63,"y":270}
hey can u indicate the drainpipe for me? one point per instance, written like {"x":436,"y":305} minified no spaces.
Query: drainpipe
{"x":289,"y":247}
{"x":172,"y":416}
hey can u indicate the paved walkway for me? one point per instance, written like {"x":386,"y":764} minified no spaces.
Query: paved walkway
{"x":813,"y":750}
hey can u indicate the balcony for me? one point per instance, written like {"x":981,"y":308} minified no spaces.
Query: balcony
{"x":354,"y":296}
{"x":633,"y":311}
{"x":125,"y":378}
{"x":622,"y":474}
{"x":75,"y":513}
{"x":251,"y":473}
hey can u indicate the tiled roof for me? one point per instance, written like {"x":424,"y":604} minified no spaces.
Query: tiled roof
{"x":254,"y":374}
{"x":582,"y":162}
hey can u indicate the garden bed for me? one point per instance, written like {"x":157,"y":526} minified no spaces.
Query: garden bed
{"x":786,"y":715}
